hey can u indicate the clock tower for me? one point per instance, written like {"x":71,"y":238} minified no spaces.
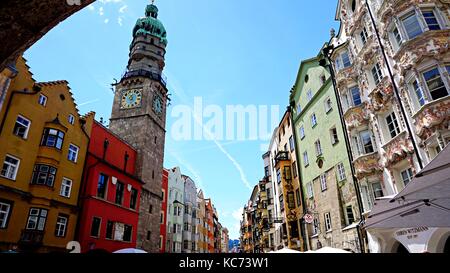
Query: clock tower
{"x":139,"y":117}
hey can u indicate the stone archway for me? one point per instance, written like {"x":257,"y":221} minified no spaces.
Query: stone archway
{"x":22,"y":23}
{"x":439,"y":241}
{"x":400,"y":248}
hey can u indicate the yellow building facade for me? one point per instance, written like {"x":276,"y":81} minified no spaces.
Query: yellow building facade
{"x":43,"y":144}
{"x":289,"y":184}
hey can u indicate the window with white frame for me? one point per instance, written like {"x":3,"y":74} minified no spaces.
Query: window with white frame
{"x":318,"y":148}
{"x":407,"y":176}
{"x":299,"y":108}
{"x":42,"y":100}
{"x":305,"y":159}
{"x":343,"y":60}
{"x":435,"y":84}
{"x":10,"y":167}
{"x":328,"y":221}
{"x":66,"y":187}
{"x":71,"y":119}
{"x":377,"y":74}
{"x":334,"y":136}
{"x":323,"y":182}
{"x":5,"y":212}
{"x":341,"y":171}
{"x":377,"y":190}
{"x":418,"y":92}
{"x":416,"y":22}
{"x":354,"y":96}
{"x":411,"y":25}
{"x":328,"y":105}
{"x":302,"y":132}
{"x":36,"y":219}
{"x":309,"y":190}
{"x":73,"y":153}
{"x":309,"y":94}
{"x":350,"y":217}
{"x":315,"y":227}
{"x":363,"y":142}
{"x":61,"y":225}
{"x":313,"y":120}
{"x":392,"y":125}
{"x":291,"y":143}
{"x":363,"y":36}
{"x":22,"y":127}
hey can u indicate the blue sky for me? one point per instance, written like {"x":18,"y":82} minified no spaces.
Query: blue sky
{"x":230,"y":52}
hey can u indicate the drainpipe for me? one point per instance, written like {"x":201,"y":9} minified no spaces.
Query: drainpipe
{"x":304,"y":230}
{"x":326,"y":51}
{"x":396,"y":91}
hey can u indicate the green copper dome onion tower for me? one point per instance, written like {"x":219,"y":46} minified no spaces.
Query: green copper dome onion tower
{"x":139,"y":117}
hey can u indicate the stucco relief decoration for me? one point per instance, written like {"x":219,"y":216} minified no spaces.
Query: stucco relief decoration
{"x":345,"y":75}
{"x":356,"y":116}
{"x":432,"y":116}
{"x":427,"y":46}
{"x":381,"y":96}
{"x":367,"y":165}
{"x":398,"y":149}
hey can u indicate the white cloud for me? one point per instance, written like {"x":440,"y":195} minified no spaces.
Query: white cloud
{"x":106,"y":21}
{"x":120,"y":21}
{"x":101,"y":11}
{"x":123,"y":9}
{"x":237,"y":214}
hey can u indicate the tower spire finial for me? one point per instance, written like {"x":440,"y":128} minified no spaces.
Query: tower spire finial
{"x":153,"y":2}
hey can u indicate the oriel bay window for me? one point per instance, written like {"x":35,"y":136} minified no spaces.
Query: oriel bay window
{"x":43,"y":175}
{"x":414,"y":23}
{"x":52,"y":138}
{"x":430,"y":85}
{"x":353,"y":97}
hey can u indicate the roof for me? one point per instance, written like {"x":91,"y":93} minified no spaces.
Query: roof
{"x":150,"y":25}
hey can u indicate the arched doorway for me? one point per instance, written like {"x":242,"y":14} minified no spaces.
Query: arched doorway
{"x":401,"y":248}
{"x":447,"y":245}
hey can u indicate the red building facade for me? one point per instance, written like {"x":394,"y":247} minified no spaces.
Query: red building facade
{"x":109,"y":198}
{"x":163,"y":226}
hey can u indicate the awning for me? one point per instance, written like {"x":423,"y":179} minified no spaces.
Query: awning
{"x":409,"y":215}
{"x":432,"y":182}
{"x":425,"y":201}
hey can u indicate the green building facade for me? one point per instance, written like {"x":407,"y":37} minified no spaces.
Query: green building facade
{"x":329,"y":192}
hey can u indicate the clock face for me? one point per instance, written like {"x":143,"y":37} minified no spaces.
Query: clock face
{"x":158,"y":105}
{"x":131,"y":98}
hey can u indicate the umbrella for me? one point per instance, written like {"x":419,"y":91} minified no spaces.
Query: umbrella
{"x":130,"y":250}
{"x":432,"y":182}
{"x":328,"y":250}
{"x":285,"y":250}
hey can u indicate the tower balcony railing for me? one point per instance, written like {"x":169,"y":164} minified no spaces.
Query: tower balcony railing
{"x":281,"y":156}
{"x":31,"y":237}
{"x":153,"y":74}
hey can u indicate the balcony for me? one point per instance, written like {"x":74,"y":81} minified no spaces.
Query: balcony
{"x":356,"y":116}
{"x":367,"y":164}
{"x":146,"y":73}
{"x":431,"y":115}
{"x":31,"y":237}
{"x":397,"y":149}
{"x":432,"y":43}
{"x":346,"y":76}
{"x":281,"y":156}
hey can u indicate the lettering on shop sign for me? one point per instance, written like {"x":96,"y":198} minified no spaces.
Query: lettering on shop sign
{"x":411,"y":233}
